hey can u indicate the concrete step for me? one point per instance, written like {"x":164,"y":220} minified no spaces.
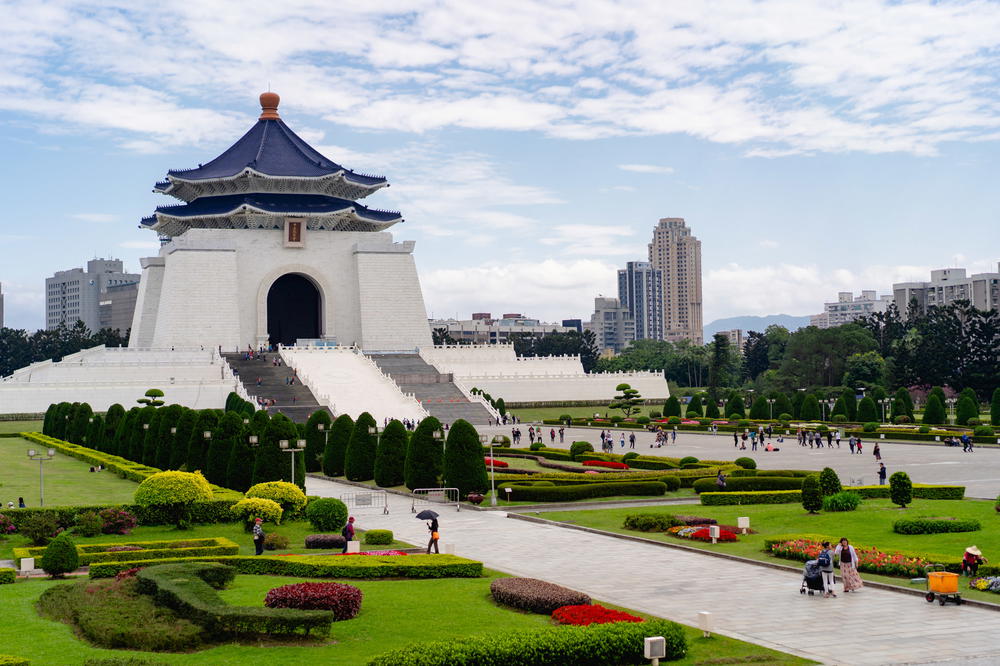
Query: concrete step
{"x":434,"y":390}
{"x":295,"y":401}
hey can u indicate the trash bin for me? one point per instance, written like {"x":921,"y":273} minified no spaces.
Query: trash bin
{"x":942,"y":582}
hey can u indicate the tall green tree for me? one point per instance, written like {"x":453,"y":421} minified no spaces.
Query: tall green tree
{"x":390,"y":457}
{"x":170,"y":417}
{"x":760,"y":410}
{"x":112,"y":418}
{"x":152,"y":436}
{"x":424,"y":456}
{"x":316,"y":438}
{"x":798,"y":397}
{"x":120,"y":442}
{"x":197,"y":444}
{"x":270,"y":464}
{"x":627,"y":400}
{"x":851,"y":402}
{"x":185,"y":427}
{"x":138,"y":436}
{"x":79,"y":422}
{"x":810,"y":408}
{"x":464,"y":463}
{"x":735,"y":405}
{"x":359,"y":463}
{"x":695,"y":405}
{"x":95,"y":433}
{"x":839,"y":408}
{"x":966,"y":409}
{"x":783,"y":405}
{"x":711,"y":409}
{"x":995,"y":407}
{"x":755,"y":355}
{"x":934,"y":412}
{"x":818,"y":357}
{"x":672,"y":407}
{"x":239,"y":467}
{"x":60,"y":420}
{"x":900,"y":406}
{"x":865,"y":369}
{"x":228,"y":429}
{"x":866,"y":411}
{"x":720,"y":360}
{"x":336,"y":445}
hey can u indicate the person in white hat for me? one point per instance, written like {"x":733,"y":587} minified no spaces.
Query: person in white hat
{"x":971,"y":560}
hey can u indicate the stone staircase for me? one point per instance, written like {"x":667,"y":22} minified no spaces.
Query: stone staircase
{"x":295,"y":401}
{"x":435,"y":391}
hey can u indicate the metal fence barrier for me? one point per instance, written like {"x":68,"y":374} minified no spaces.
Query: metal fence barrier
{"x":372,"y":499}
{"x":428,"y":496}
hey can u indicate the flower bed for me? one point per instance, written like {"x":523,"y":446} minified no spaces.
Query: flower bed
{"x":490,"y":462}
{"x":342,"y":599}
{"x":871,"y":560}
{"x":536,"y":596}
{"x":96,"y":553}
{"x":585,"y":615}
{"x":609,"y":464}
{"x":701,"y":533}
{"x":986,"y":584}
{"x":373,"y":552}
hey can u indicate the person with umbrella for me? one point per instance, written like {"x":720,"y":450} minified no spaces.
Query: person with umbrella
{"x":432,"y":527}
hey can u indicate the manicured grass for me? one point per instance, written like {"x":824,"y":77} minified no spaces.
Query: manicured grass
{"x":530,"y":415}
{"x":870,"y":525}
{"x":68,"y":481}
{"x":20,"y":426}
{"x":393,"y":614}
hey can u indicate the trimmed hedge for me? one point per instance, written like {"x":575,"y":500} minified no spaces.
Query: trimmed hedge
{"x":323,"y":566}
{"x":216,"y":511}
{"x":934,"y":526}
{"x":7,"y":576}
{"x":150,"y":550}
{"x":378,"y":537}
{"x":761,"y":497}
{"x":189,"y":589}
{"x":754,"y":483}
{"x":583,"y":491}
{"x":596,"y":645}
{"x":920,"y":491}
{"x":536,"y":596}
{"x":651,"y":522}
{"x":326,"y":541}
{"x":11,"y":660}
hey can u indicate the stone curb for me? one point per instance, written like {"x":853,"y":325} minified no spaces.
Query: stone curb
{"x":735,"y":558}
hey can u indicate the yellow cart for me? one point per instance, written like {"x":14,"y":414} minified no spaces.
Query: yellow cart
{"x":942,"y":585}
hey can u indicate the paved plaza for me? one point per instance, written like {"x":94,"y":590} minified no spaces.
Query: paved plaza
{"x":752,"y":603}
{"x":979,"y":472}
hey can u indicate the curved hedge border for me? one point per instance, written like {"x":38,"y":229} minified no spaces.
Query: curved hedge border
{"x":323,"y":566}
{"x":596,"y":645}
{"x":934,"y":526}
{"x":752,"y":483}
{"x":151,"y":550}
{"x":920,"y":491}
{"x":584,"y":491}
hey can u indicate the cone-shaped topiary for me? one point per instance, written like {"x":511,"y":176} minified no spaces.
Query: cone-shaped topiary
{"x":866,"y":411}
{"x":220,"y":449}
{"x":169,"y":417}
{"x":79,"y":423}
{"x":812,"y":496}
{"x":239,"y":467}
{"x":900,"y":489}
{"x":60,"y":556}
{"x":829,"y":482}
{"x":782,"y":405}
{"x":735,"y":405}
{"x":810,"y":408}
{"x":197,"y":444}
{"x":760,"y":410}
{"x":270,"y":464}
{"x":112,"y":418}
{"x":50,"y":414}
{"x":391,"y":455}
{"x":138,"y":434}
{"x":672,"y":407}
{"x":95,"y":433}
{"x":711,"y":409}
{"x":966,"y":409}
{"x":185,"y":426}
{"x":151,"y":437}
{"x":695,"y":405}
{"x":118,"y":445}
{"x":851,"y":402}
{"x":934,"y":412}
{"x":839,"y":408}
{"x":464,"y":462}
{"x":336,"y":445}
{"x":359,"y":462}
{"x":316,"y":439}
{"x":424,"y":456}
{"x":995,"y":407}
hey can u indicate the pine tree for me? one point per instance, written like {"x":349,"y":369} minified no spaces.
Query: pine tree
{"x":672,"y":407}
{"x":902,"y":404}
{"x":995,"y":407}
{"x":904,"y":394}
{"x":424,"y":456}
{"x":185,"y":426}
{"x":939,"y":392}
{"x":735,"y":405}
{"x":695,"y":405}
{"x":79,"y":423}
{"x":112,"y":418}
{"x":839,"y":408}
{"x":829,"y":482}
{"x":391,"y":455}
{"x":95,"y":433}
{"x":851,"y":402}
{"x":464,"y":463}
{"x":316,"y":439}
{"x":866,"y":411}
{"x":711,"y":409}
{"x":783,"y":405}
{"x":798,"y":397}
{"x":760,"y":410}
{"x":810,"y":408}
{"x":152,"y":436}
{"x":197,"y":445}
{"x":270,"y":463}
{"x":965,"y":410}
{"x":336,"y":445}
{"x":227,"y":431}
{"x":812,"y":496}
{"x":170,"y":416}
{"x":934,"y":412}
{"x":900,"y":489}
{"x":359,"y":462}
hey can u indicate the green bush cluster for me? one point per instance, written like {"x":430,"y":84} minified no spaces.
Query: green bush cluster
{"x":190,"y":590}
{"x":378,"y":537}
{"x":60,"y":557}
{"x":900,"y":489}
{"x":746,"y":463}
{"x":755,"y":483}
{"x":288,"y":495}
{"x":812,"y":494}
{"x":327,"y":514}
{"x":596,"y":645}
{"x":7,"y":576}
{"x":584,"y":491}
{"x":249,"y":510}
{"x":841,"y":501}
{"x":578,"y":448}
{"x":145,"y":550}
{"x":650,"y":522}
{"x":934,"y":526}
{"x":761,"y":497}
{"x":323,"y":566}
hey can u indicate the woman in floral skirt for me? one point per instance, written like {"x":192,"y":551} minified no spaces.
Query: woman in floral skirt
{"x":848,"y":566}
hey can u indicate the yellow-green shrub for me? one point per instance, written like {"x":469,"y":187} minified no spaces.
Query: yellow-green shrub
{"x":252,"y":508}
{"x":288,"y":495}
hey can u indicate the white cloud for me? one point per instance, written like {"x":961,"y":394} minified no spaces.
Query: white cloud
{"x":591,"y":240}
{"x":646,"y":168}
{"x":768,"y":244}
{"x":95,"y":217}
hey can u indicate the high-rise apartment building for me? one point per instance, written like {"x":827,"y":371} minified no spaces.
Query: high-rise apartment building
{"x":640,"y":289}
{"x":677,"y":255}
{"x":612,"y":324}
{"x":847,"y":308}
{"x":76,"y":294}
{"x":946,"y":286}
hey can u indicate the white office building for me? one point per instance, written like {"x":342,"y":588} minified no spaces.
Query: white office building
{"x":948,"y":285}
{"x":76,"y":294}
{"x":849,"y":307}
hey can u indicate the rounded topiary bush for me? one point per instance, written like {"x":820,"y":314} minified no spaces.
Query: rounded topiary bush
{"x":378,"y":537}
{"x":250,"y":509}
{"x":841,"y":501}
{"x":746,"y":463}
{"x":655,"y":414}
{"x":174,"y":492}
{"x":60,"y":557}
{"x":537,"y":446}
{"x":629,"y":456}
{"x":617,"y":419}
{"x":924,"y":429}
{"x":693,"y":414}
{"x":687,"y":460}
{"x":325,"y":541}
{"x":642,"y":420}
{"x":784,"y":416}
{"x":870,"y":426}
{"x":288,"y":495}
{"x":565,"y":417}
{"x":327,"y":514}
{"x":983,"y":431}
{"x":900,"y":489}
{"x":674,"y":420}
{"x":579,"y":448}
{"x":972,"y":422}
{"x":342,"y":599}
{"x":839,"y":418}
{"x":902,"y":418}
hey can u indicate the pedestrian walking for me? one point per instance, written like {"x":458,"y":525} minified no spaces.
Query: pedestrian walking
{"x":562,"y":433}
{"x":825,"y":561}
{"x":631,"y":440}
{"x":622,"y":440}
{"x":838,"y":439}
{"x":881,"y":473}
{"x":673,"y":435}
{"x":857,"y":445}
{"x":348,"y":532}
{"x":432,"y":527}
{"x":877,"y":452}
{"x":720,"y":481}
{"x":258,"y":537}
{"x":736,"y":440}
{"x":848,"y":566}
{"x":850,"y":443}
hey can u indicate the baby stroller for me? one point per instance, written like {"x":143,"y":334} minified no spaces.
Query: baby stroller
{"x":812,"y":578}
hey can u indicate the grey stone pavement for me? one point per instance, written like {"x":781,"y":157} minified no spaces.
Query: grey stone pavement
{"x":979,"y":471}
{"x":751,"y":603}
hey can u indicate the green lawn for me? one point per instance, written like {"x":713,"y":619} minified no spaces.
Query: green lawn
{"x":870,"y":525}
{"x":20,"y":426}
{"x":529,"y":415}
{"x":393,"y":614}
{"x":68,"y":481}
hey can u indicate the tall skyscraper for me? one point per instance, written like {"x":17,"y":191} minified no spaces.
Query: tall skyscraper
{"x":677,"y":255}
{"x":76,"y":294}
{"x":640,"y":289}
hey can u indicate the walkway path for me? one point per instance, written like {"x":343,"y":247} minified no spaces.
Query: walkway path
{"x":751,"y":603}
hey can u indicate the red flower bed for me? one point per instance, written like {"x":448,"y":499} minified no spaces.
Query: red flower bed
{"x":870,"y":560}
{"x":610,"y":464}
{"x":701,"y":533}
{"x":373,"y":552}
{"x":495,"y":463}
{"x":591,"y":614}
{"x":343,"y":600}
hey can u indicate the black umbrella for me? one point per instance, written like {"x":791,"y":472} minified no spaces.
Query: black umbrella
{"x":426,"y":514}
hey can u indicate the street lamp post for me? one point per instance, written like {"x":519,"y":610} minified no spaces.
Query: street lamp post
{"x":300,"y":445}
{"x":41,"y":458}
{"x":493,"y":487}
{"x":951,"y":406}
{"x":885,"y":402}
{"x":770,"y":409}
{"x":326,"y":434}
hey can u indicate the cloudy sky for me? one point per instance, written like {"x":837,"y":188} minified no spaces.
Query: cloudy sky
{"x":531,"y":145}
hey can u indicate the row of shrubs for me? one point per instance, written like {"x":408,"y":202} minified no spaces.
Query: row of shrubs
{"x":661,"y":522}
{"x":934,"y":526}
{"x":752,"y":483}
{"x":920,"y":491}
{"x":536,"y":493}
{"x":323,"y":566}
{"x":141,"y":550}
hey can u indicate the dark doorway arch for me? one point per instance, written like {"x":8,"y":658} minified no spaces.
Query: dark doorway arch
{"x":293,"y":310}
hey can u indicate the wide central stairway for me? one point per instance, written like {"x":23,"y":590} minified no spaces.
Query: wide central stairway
{"x":295,"y":401}
{"x":436,"y":392}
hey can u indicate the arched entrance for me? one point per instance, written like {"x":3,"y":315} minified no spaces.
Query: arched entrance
{"x":293,"y":310}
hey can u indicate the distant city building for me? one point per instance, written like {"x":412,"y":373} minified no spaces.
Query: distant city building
{"x":612,"y":324}
{"x":482,"y":331}
{"x":118,"y":306}
{"x":677,"y":255}
{"x":640,"y":289}
{"x":76,"y":294}
{"x":946,"y":286}
{"x":735,"y":337}
{"x":847,"y":308}
{"x":575,"y":324}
